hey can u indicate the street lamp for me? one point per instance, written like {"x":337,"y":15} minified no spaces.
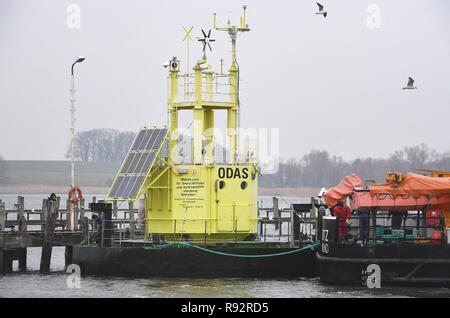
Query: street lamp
{"x":72,"y":111}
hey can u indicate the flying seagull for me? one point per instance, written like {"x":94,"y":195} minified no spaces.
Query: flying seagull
{"x":410,"y":84}
{"x":321,"y":11}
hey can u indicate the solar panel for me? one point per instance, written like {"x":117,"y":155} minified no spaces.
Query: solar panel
{"x":137,"y":164}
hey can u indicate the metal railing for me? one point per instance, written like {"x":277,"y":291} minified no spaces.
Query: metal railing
{"x":414,"y":228}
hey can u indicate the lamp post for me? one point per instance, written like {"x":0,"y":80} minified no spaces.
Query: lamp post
{"x":71,"y":222}
{"x":72,"y":111}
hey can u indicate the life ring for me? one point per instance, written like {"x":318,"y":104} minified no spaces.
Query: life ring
{"x":77,"y":198}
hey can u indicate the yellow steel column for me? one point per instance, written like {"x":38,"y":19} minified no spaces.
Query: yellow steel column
{"x":173,"y":129}
{"x":198,"y":113}
{"x":208,"y":131}
{"x":173,"y":156}
{"x":232,"y":114}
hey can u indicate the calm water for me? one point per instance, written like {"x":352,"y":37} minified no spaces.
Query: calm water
{"x":32,"y":284}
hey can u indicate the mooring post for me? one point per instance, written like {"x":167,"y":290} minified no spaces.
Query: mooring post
{"x":276,"y":212}
{"x":82,"y":203}
{"x":2,"y":227}
{"x":43,"y":214}
{"x":20,"y":207}
{"x":21,"y":213}
{"x":69,"y":215}
{"x":22,"y":251}
{"x":131,"y":212}
{"x":52,"y":212}
{"x":320,"y":214}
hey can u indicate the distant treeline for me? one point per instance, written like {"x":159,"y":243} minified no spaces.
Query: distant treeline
{"x":319,"y":168}
{"x":101,"y":145}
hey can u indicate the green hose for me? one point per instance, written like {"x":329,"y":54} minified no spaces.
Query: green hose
{"x":312,"y":246}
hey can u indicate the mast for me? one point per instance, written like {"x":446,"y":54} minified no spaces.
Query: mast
{"x":233,"y":113}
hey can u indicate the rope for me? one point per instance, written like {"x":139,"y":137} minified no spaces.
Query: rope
{"x":312,"y":246}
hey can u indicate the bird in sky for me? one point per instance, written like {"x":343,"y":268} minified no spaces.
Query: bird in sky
{"x":321,"y":11}
{"x":410,"y":84}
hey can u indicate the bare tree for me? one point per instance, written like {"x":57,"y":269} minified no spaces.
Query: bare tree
{"x":320,"y":169}
{"x":101,"y":145}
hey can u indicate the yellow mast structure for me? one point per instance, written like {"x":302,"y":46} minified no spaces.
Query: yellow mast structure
{"x":203,"y":199}
{"x":199,"y":199}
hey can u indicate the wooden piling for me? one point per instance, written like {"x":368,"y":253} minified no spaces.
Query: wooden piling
{"x":82,"y":204}
{"x":43,"y":214}
{"x":69,"y":215}
{"x":68,"y":255}
{"x":22,"y":253}
{"x":20,"y":207}
{"x":52,"y":212}
{"x":276,"y":212}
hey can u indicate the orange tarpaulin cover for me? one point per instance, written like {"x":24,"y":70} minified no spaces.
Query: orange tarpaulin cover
{"x":415,"y":185}
{"x":343,"y":189}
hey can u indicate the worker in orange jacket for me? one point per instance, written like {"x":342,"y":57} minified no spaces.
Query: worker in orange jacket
{"x":343,"y":213}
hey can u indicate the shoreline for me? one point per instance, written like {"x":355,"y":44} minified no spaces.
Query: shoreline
{"x":37,"y":189}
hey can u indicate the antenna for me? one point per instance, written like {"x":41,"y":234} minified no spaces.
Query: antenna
{"x":186,"y":78}
{"x":188,"y":37}
{"x":233,"y":31}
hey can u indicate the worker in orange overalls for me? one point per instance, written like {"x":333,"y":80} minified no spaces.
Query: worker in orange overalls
{"x":343,"y":213}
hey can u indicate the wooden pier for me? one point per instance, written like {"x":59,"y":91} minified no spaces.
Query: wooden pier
{"x":51,"y":226}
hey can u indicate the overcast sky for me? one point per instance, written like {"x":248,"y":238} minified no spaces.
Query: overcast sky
{"x":331,"y":83}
